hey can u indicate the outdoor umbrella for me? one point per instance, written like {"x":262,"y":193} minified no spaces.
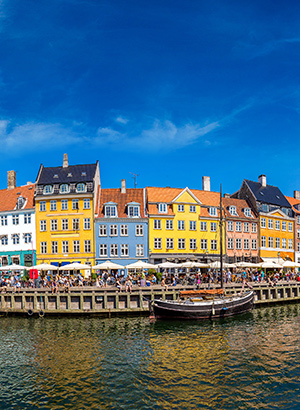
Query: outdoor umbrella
{"x":168,"y":265}
{"x":75,"y":266}
{"x":217,"y":265}
{"x":191,"y":264}
{"x":247,"y":265}
{"x":290,"y":264}
{"x":13,"y":267}
{"x":141,"y":265}
{"x":44,"y":266}
{"x":270,"y":265}
{"x":108,"y":265}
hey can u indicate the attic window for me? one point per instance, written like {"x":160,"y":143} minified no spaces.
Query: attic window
{"x":83,"y":174}
{"x":261,"y":193}
{"x":30,"y":187}
{"x":277,"y":196}
{"x":69,"y":174}
{"x":55,"y":176}
{"x":20,"y":202}
{"x":18,"y":193}
{"x":232,"y":210}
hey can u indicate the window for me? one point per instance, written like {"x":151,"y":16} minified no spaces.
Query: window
{"x":157,"y":243}
{"x":139,"y":230}
{"x":213,"y":226}
{"x":247,"y":212}
{"x":64,"y":204}
{"x":53,"y":224}
{"x":213,"y":244}
{"x":284,"y":243}
{"x":75,"y":204}
{"x":48,"y":189}
{"x":27,"y":218}
{"x":20,"y":202}
{"x":113,"y":249}
{"x":64,"y":224}
{"x":43,"y":247}
{"x":180,"y":208}
{"x":65,"y":246}
{"x":64,"y":188}
{"x":290,"y":226}
{"x":285,"y":210}
{"x":238,"y":226}
{"x":232,"y":210}
{"x":169,"y":224}
{"x":238,"y":243}
{"x":298,"y":233}
{"x":229,"y":226}
{"x":298,"y":219}
{"x":156,"y":224}
{"x":181,"y":243}
{"x":265,"y":208}
{"x":169,"y":243}
{"x":27,"y":237}
{"x":124,"y":230}
{"x":43,"y":207}
{"x":139,"y":250}
{"x":134,"y":211}
{"x":76,"y":246}
{"x":102,"y":230}
{"x":203,"y":244}
{"x":193,"y":244}
{"x":270,"y":223}
{"x":230,"y":243}
{"x":213,"y":211}
{"x":253,"y":228}
{"x":54,"y":247}
{"x":102,"y":249}
{"x":87,"y":246}
{"x":277,"y":242}
{"x":283,"y":226}
{"x":290,"y":243}
{"x":43,"y":225}
{"x":87,"y":223}
{"x":192,"y":225}
{"x":263,"y":242}
{"x":263,"y":223}
{"x":181,"y":225}
{"x":81,"y":187}
{"x":4,"y":220}
{"x":15,"y":219}
{"x":4,"y":240}
{"x":246,"y":226}
{"x":298,"y":248}
{"x":75,"y":224}
{"x":124,"y":250}
{"x":86,"y":203}
{"x":253,"y":244}
{"x":277,"y":225}
{"x":192,"y":208}
{"x":53,"y":205}
{"x":270,"y":242}
{"x":110,"y":211}
{"x":203,"y":226}
{"x":162,"y":208}
{"x":113,"y":230}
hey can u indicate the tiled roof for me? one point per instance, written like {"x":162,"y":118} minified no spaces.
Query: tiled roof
{"x":268,"y":194}
{"x":115,"y":195}
{"x":9,"y":197}
{"x":70,"y":174}
{"x":240,"y":205}
{"x":293,"y":202}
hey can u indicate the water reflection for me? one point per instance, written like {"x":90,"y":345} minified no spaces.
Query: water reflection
{"x":242,"y":363}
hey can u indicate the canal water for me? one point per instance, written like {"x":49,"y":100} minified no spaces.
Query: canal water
{"x":248,"y":362}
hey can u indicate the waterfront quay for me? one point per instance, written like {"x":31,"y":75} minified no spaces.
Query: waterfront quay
{"x":107,"y":302}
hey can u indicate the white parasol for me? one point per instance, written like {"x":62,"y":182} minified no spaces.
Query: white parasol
{"x":108,"y":265}
{"x":44,"y":266}
{"x":13,"y":267}
{"x":141,"y":265}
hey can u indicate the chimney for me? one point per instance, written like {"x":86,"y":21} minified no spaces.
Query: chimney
{"x":206,"y":183}
{"x":11,"y":180}
{"x":123,"y":186}
{"x":65,"y":161}
{"x":297,"y":194}
{"x":226,"y":195}
{"x":262,"y":179}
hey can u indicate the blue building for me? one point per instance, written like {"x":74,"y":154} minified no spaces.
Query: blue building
{"x":121,"y":226}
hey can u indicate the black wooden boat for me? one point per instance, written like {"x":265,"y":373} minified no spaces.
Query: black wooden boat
{"x":201,"y":307}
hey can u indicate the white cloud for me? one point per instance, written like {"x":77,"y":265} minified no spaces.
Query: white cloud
{"x":122,"y":120}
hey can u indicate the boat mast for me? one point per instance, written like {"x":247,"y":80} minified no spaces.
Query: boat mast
{"x":221,"y":237}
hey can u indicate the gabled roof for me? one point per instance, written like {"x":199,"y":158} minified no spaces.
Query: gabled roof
{"x":268,"y":194}
{"x":9,"y":197}
{"x":293,"y":202}
{"x":240,"y":205}
{"x":114,"y":195}
{"x":70,"y":174}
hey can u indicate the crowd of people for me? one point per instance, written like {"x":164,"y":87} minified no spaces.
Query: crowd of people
{"x":62,"y":282}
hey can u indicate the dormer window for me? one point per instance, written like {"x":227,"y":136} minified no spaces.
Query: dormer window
{"x":110,"y":210}
{"x":48,"y":189}
{"x":83,"y":174}
{"x":265,"y":208}
{"x":64,"y":188}
{"x":162,"y":208}
{"x":232,"y":210}
{"x":247,"y":212}
{"x":55,"y":176}
{"x":133,"y":211}
{"x":213,"y":211}
{"x":20,"y":202}
{"x":81,"y":187}
{"x":70,"y":174}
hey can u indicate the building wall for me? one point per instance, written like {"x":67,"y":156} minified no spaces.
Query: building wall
{"x":245,"y":244}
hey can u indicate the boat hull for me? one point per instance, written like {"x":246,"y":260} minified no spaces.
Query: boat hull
{"x":221,"y":308}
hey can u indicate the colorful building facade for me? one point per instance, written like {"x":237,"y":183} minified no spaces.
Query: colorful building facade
{"x":295,"y":203}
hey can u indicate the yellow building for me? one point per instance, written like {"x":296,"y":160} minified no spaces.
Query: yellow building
{"x":183,"y":224}
{"x":65,"y":201}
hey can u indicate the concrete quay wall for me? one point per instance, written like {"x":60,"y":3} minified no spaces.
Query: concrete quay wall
{"x":90,"y":301}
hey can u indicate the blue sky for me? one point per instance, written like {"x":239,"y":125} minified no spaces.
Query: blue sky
{"x":169,"y":90}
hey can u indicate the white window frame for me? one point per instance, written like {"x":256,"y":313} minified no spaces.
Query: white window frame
{"x":102,"y":249}
{"x":203,"y":226}
{"x":123,"y":230}
{"x":181,"y":243}
{"x":193,"y":244}
{"x":43,"y":225}
{"x":169,"y":243}
{"x":156,"y":224}
{"x":113,"y":230}
{"x":193,"y":225}
{"x":162,"y":208}
{"x":169,"y":224}
{"x":124,"y":250}
{"x":139,"y":250}
{"x":64,"y":224}
{"x":87,"y":246}
{"x":102,"y":230}
{"x":157,"y":243}
{"x":64,"y":204}
{"x":139,"y":230}
{"x":87,"y":224}
{"x":213,"y":227}
{"x":230,"y":226}
{"x":213,"y":244}
{"x":193,"y":208}
{"x":86,"y":203}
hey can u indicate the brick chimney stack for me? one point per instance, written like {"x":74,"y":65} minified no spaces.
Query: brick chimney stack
{"x":65,"y":161}
{"x":262,"y":179}
{"x":11,"y":179}
{"x":123,"y":186}
{"x":297,"y":194}
{"x":206,"y":183}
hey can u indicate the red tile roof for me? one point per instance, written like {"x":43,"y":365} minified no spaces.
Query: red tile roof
{"x":8,"y":197}
{"x":293,"y":202}
{"x":240,"y":205}
{"x":115,"y":195}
